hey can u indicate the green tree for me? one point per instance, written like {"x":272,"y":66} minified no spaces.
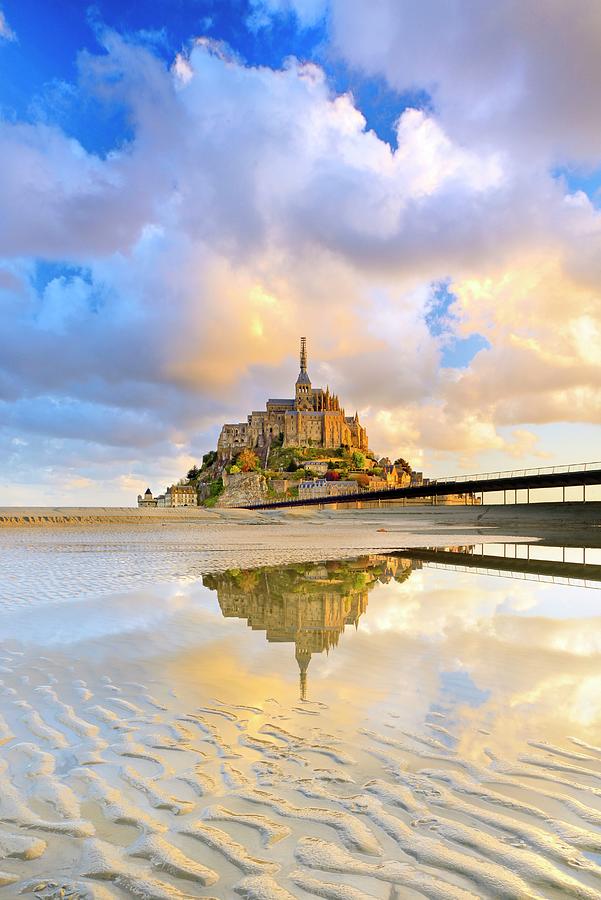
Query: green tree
{"x":358,"y":459}
{"x":209,"y":458}
{"x":292,"y":466}
{"x":193,"y":473}
{"x":403,"y":464}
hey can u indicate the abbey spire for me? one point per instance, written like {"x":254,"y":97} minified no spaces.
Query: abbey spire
{"x":313,"y":417}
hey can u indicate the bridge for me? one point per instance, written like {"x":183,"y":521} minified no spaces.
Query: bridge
{"x":574,"y":475}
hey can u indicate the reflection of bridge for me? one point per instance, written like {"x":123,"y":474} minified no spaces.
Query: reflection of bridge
{"x":560,"y":570}
{"x":577,"y":475}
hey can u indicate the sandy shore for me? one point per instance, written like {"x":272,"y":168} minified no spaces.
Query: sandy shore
{"x":235,"y":536}
{"x":541,"y":516}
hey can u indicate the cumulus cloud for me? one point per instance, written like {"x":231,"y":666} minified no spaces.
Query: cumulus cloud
{"x":150,"y":293}
{"x":517,"y":74}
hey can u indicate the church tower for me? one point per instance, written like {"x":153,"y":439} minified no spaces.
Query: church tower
{"x":303,"y":397}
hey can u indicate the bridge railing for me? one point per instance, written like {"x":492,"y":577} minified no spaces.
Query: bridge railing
{"x":516,"y":473}
{"x":456,"y":479}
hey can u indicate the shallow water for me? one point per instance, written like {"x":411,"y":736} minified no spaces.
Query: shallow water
{"x":399,"y":725}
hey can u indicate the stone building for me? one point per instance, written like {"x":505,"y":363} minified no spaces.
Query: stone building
{"x":313,"y":418}
{"x":146,"y":499}
{"x":176,"y":495}
{"x":321,"y":487}
{"x":183,"y":495}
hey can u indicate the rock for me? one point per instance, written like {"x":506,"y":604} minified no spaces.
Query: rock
{"x":242,"y":489}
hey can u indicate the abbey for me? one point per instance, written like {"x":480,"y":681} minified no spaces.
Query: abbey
{"x":314,"y":418}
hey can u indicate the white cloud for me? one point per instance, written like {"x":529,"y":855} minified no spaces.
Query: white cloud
{"x":252,"y":206}
{"x":517,"y":74}
{"x":6,"y":32}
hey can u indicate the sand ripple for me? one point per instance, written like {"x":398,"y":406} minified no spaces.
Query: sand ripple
{"x":114,"y":790}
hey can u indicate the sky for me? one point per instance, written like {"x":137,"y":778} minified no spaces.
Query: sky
{"x":187,"y":186}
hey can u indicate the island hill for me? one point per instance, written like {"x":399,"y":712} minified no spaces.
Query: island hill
{"x":301,"y":447}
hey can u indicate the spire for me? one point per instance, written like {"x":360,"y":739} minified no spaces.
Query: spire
{"x":303,"y":354}
{"x":303,"y":377}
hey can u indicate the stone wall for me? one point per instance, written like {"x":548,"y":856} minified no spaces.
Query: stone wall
{"x":242,"y":489}
{"x":281,"y":485}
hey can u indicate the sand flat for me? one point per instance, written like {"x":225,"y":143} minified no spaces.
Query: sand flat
{"x":280,"y":707}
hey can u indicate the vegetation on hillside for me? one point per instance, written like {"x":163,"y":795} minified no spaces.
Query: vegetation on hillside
{"x":247,"y":461}
{"x":281,"y":457}
{"x":215,"y":490}
{"x":196,"y":474}
{"x":291,"y":464}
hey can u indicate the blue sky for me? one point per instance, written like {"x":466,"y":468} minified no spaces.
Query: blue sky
{"x":416,"y":189}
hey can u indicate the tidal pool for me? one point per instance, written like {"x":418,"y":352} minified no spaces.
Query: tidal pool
{"x":423,"y":723}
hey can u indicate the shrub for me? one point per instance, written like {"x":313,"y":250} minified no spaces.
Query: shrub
{"x":247,"y":461}
{"x":234,"y":470}
{"x":215,"y":489}
{"x":358,"y":459}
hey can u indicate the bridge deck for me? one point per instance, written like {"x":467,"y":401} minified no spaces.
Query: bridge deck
{"x":565,"y":476}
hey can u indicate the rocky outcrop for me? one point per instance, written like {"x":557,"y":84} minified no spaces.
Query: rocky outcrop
{"x":242,"y":489}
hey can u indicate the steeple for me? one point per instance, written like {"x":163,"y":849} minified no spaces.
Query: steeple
{"x":303,"y":377}
{"x":304,"y":399}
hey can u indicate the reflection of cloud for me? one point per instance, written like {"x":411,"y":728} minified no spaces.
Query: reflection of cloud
{"x":539,"y":675}
{"x":438,"y":639}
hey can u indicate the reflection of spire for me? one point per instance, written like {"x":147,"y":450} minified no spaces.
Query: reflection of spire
{"x":308,"y":605}
{"x":303,"y":658}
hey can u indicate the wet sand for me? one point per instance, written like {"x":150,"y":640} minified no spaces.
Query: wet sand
{"x":153,"y":743}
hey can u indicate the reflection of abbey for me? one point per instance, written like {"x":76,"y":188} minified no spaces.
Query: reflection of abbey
{"x":314,"y":418}
{"x":307,"y":605}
